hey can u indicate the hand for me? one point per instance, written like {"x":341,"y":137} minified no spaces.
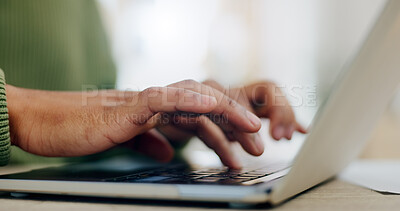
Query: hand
{"x":263,"y":98}
{"x":81,"y":123}
{"x":266,"y":100}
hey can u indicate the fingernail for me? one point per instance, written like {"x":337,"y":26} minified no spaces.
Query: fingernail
{"x":254,"y":120}
{"x":259,"y":143}
{"x":279,"y":132}
{"x":236,"y":163}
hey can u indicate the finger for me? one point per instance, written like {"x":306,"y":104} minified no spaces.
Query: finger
{"x":169,"y":99}
{"x":154,"y":100}
{"x":229,"y":109}
{"x":300,"y":128}
{"x":152,"y":144}
{"x":277,"y":129}
{"x":249,"y":143}
{"x":211,"y":135}
{"x":272,"y":104}
{"x":290,"y":131}
{"x":145,"y":111}
{"x":281,"y":124}
{"x":237,"y":94}
{"x":288,"y":122}
{"x":295,"y":127}
{"x":215,"y":139}
{"x":240,"y":96}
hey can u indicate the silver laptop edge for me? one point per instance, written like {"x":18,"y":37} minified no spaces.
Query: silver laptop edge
{"x":351,"y":112}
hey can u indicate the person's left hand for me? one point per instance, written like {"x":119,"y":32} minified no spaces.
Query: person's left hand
{"x":266,"y":100}
{"x":263,"y":98}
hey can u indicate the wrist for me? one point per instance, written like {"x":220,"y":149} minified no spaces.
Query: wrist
{"x":14,"y":109}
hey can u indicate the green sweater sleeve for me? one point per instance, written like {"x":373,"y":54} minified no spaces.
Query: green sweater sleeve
{"x":4,"y":127}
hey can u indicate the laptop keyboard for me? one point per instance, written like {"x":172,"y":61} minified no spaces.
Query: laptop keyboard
{"x":181,"y":174}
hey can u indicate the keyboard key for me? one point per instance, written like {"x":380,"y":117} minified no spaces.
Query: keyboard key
{"x":245,"y":177}
{"x":227,"y":174}
{"x":192,"y":177}
{"x":253,"y":174}
{"x":181,"y":174}
{"x":208,"y":180}
{"x":216,"y":177}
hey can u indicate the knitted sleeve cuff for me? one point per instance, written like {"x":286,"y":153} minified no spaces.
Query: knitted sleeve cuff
{"x":5,"y":143}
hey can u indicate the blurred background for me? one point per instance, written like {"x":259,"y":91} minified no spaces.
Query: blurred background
{"x":299,"y":44}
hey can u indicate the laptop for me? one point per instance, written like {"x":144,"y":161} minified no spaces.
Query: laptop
{"x":340,"y":130}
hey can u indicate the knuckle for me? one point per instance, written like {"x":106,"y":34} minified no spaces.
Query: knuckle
{"x":270,"y":83}
{"x":211,"y":82}
{"x":151,"y":92}
{"x":267,"y":83}
{"x":196,"y":97}
{"x":190,"y":84}
{"x":265,"y":86}
{"x":231,"y":103}
{"x":214,"y":85}
{"x":189,"y":81}
{"x":180,"y":93}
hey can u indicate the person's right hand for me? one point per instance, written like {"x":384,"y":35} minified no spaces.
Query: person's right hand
{"x":68,"y":124}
